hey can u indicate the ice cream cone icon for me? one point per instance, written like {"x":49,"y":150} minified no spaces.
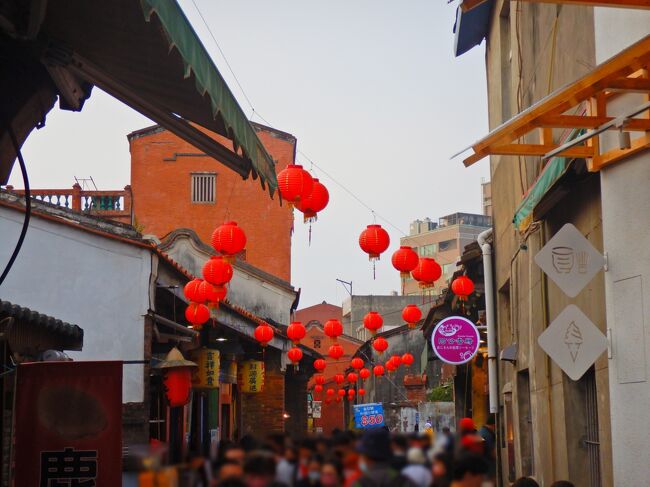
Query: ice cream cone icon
{"x":573,"y":340}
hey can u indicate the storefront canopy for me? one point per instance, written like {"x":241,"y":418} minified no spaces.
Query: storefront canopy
{"x":625,"y":73}
{"x":145,"y":53}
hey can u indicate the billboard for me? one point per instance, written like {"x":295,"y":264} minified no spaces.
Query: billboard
{"x":369,"y":415}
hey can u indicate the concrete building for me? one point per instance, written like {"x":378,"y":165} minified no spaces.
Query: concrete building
{"x":486,"y":197}
{"x":444,"y":241}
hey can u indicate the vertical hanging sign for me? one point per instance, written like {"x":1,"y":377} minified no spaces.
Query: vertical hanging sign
{"x":207,"y":374}
{"x":251,"y":376}
{"x":68,"y":426}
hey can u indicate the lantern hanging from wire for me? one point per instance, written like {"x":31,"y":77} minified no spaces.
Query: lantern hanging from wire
{"x":294,"y":184}
{"x":193,"y":291}
{"x":318,"y":388}
{"x":197,"y":314}
{"x":351,"y":394}
{"x":364,"y":373}
{"x":361,"y":392}
{"x":374,"y":241}
{"x":296,"y":332}
{"x":380,"y":344}
{"x":378,"y":370}
{"x":314,"y":203}
{"x":341,"y":392}
{"x":397,"y":360}
{"x":338,"y":398}
{"x":411,"y":314}
{"x":335,"y":351}
{"x":330,"y":392}
{"x":319,"y":379}
{"x":462,"y":287}
{"x":320,"y":364}
{"x":264,"y":334}
{"x":213,"y":294}
{"x":295,"y":355}
{"x":427,"y":272}
{"x":356,"y":363}
{"x":177,"y":377}
{"x":408,"y":359}
{"x":405,"y":259}
{"x":373,"y":322}
{"x":228,"y":240}
{"x":352,"y":377}
{"x":333,"y":328}
{"x":391,"y":366}
{"x":339,"y":378}
{"x":217,"y":271}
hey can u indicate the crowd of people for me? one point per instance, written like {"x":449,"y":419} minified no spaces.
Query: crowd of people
{"x":372,"y":458}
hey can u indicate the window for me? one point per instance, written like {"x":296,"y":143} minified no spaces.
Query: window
{"x":204,"y":187}
{"x":448,"y":245}
{"x":316,"y":342}
{"x":427,"y":250}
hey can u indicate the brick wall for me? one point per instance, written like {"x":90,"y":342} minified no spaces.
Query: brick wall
{"x":261,"y":413}
{"x":161,"y":167}
{"x":415,"y":386}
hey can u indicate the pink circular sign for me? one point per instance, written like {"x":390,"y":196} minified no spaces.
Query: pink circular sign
{"x":455,"y":340}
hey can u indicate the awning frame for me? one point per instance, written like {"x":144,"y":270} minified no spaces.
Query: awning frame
{"x":639,"y":4}
{"x":627,"y":72}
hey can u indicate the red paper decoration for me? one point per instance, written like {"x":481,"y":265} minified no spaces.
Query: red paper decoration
{"x":197,"y":314}
{"x":338,"y":398}
{"x":351,"y":394}
{"x":217,"y":271}
{"x":335,"y":351}
{"x":362,"y":392}
{"x":264,"y":334}
{"x":407,"y":359}
{"x":352,"y":377}
{"x":378,"y":370}
{"x":294,"y":184}
{"x":339,"y":378}
{"x":320,"y":364}
{"x":330,"y":392}
{"x":213,"y":294}
{"x":178,"y":383}
{"x":364,"y":373}
{"x":462,"y":287}
{"x":341,"y":392}
{"x":374,"y":241}
{"x":380,"y":345}
{"x":315,"y":202}
{"x":397,"y":360}
{"x":318,"y":388}
{"x":192,"y":291}
{"x":333,"y":328}
{"x":228,"y":239}
{"x":427,"y":272}
{"x":405,"y":259}
{"x":295,"y":355}
{"x":319,"y":379}
{"x":391,"y":366}
{"x":356,"y":363}
{"x":411,"y":314}
{"x":296,"y":331}
{"x":373,"y":322}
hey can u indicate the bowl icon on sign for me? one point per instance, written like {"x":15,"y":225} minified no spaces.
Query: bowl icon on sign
{"x":563,"y":259}
{"x":449,"y":329}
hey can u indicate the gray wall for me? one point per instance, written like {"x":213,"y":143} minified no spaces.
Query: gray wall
{"x":390,"y":307}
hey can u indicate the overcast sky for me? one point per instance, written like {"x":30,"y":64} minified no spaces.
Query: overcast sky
{"x":372,"y":92}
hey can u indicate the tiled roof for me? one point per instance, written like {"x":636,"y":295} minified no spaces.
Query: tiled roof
{"x":35,"y":318}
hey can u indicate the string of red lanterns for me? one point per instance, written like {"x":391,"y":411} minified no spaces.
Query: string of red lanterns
{"x":411,"y":314}
{"x":294,"y":184}
{"x":373,"y":322}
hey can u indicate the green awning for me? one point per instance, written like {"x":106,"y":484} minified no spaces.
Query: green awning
{"x":143,"y":52}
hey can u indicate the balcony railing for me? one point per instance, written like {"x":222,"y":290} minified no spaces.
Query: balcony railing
{"x":115,"y":205}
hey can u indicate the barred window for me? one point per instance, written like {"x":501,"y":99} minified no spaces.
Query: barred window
{"x":204,"y":187}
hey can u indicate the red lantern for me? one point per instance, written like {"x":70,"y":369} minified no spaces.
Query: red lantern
{"x":197,"y":314}
{"x":338,"y":398}
{"x":178,"y":383}
{"x":296,"y":331}
{"x":335,"y":351}
{"x":405,"y":259}
{"x":356,"y":363}
{"x":318,"y":388}
{"x":193,"y":292}
{"x":427,"y":272}
{"x":373,"y":322}
{"x":295,"y":354}
{"x":330,"y":392}
{"x":407,"y":359}
{"x":341,"y":392}
{"x":352,"y":377}
{"x":315,"y":202}
{"x":264,"y":334}
{"x":217,"y":271}
{"x":390,"y":366}
{"x":328,"y":401}
{"x":462,"y":287}
{"x":213,"y":294}
{"x":397,"y":360}
{"x":380,"y":345}
{"x":339,"y":378}
{"x":294,"y":184}
{"x":364,"y":373}
{"x":333,"y":328}
{"x":411,"y":314}
{"x":320,"y":364}
{"x":378,"y":370}
{"x":362,"y":392}
{"x":351,"y":394}
{"x":374,"y":240}
{"x":319,"y":379}
{"x":228,"y":239}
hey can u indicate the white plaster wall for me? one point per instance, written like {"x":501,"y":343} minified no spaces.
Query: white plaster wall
{"x":618,"y":28}
{"x":98,"y":283}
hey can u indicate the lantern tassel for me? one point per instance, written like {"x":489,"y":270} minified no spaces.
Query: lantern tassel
{"x":310,"y":234}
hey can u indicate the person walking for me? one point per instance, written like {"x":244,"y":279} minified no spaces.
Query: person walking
{"x":416,"y":469}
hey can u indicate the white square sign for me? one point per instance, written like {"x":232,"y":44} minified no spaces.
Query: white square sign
{"x":573,"y":342}
{"x":570,"y":260}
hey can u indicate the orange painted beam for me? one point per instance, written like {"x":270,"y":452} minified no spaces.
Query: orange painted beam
{"x":643,"y":4}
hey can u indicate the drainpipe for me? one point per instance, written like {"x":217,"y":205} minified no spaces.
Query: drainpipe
{"x":486,"y":248}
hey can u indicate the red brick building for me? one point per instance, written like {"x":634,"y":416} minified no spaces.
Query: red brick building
{"x":174,"y":185}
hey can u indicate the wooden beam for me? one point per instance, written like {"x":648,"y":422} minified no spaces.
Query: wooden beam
{"x":645,"y":4}
{"x":586,"y":122}
{"x":639,"y":85}
{"x":540,"y":150}
{"x":616,"y":155}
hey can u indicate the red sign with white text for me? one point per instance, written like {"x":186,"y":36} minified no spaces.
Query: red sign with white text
{"x":68,"y":424}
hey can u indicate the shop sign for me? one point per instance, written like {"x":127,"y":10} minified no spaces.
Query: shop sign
{"x":369,"y":415}
{"x":455,"y":340}
{"x":317,"y":407}
{"x":207,"y":373}
{"x":68,"y":427}
{"x":251,"y":376}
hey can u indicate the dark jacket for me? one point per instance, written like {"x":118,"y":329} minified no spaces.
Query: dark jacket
{"x":382,"y":475}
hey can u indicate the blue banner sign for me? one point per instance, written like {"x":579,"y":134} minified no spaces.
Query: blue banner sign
{"x":368,"y":415}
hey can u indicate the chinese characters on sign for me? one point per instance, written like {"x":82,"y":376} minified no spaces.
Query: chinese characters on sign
{"x":455,"y":340}
{"x":251,"y":376}
{"x":207,"y":374}
{"x":69,"y":468}
{"x":369,"y":415}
